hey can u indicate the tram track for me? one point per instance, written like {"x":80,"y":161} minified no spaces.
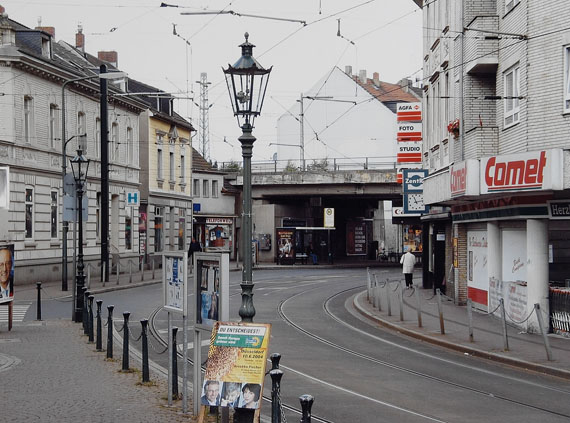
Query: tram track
{"x":327,"y":310}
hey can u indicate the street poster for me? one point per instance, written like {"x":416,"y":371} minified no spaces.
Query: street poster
{"x":175,"y":286}
{"x":6,"y":273}
{"x":477,"y":270}
{"x":236,"y":365}
{"x":356,"y":238}
{"x":285,"y":245}
{"x":211,"y":286}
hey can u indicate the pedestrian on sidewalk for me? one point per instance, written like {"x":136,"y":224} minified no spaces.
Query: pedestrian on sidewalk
{"x":194,"y":247}
{"x":408,"y":261}
{"x":311,"y":253}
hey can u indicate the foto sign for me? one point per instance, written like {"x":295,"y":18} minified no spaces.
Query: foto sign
{"x":408,"y":131}
{"x":175,"y":282}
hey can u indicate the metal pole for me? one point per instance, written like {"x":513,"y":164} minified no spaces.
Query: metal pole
{"x":401,"y":298}
{"x":145,"y":368}
{"x":440,"y":311}
{"x":80,"y":278}
{"x":276,"y":376}
{"x":125,"y":367}
{"x":388,"y":297}
{"x":543,"y":332}
{"x":39,"y":301}
{"x":99,"y":344}
{"x":377,"y":294}
{"x":419,"y":307}
{"x":174,"y":364}
{"x":185,"y":364}
{"x":306,"y":404}
{"x":104,"y":175}
{"x":110,"y":331}
{"x":247,"y":311}
{"x":196,"y":376}
{"x":90,"y":318}
{"x":86,"y":295}
{"x":169,"y":383}
{"x":470,"y":318}
{"x":504,"y":317}
{"x":302,"y":132}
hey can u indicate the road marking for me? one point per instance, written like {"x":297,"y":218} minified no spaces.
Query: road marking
{"x":19,"y":312}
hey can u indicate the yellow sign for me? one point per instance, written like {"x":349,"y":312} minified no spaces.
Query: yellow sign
{"x":236,"y":364}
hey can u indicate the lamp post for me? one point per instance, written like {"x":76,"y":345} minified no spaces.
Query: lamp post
{"x":80,"y":167}
{"x":247,"y":83}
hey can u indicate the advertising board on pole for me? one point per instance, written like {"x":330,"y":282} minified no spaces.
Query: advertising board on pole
{"x":6,"y":273}
{"x":174,"y":282}
{"x":211,"y":288}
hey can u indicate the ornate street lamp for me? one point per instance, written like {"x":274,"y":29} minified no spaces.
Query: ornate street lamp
{"x":247,"y":82}
{"x":79,"y":166}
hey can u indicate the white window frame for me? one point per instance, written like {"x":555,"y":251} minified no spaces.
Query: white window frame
{"x":511,"y":80}
{"x":214,"y":188}
{"x":206,"y":188}
{"x":28,"y":118}
{"x":182,"y":168}
{"x":130,"y":147}
{"x":159,"y":160}
{"x":53,"y":125}
{"x":567,"y":79}
{"x":54,"y":214}
{"x":29,"y":205}
{"x":172,"y":164}
{"x":97,"y":137}
{"x":196,"y":188}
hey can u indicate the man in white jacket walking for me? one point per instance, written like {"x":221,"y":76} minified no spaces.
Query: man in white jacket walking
{"x":408,"y":262}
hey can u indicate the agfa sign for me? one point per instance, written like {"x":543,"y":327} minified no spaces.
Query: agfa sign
{"x":531,"y":171}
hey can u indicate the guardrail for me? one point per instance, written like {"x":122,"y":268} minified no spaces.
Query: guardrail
{"x":123,"y":270}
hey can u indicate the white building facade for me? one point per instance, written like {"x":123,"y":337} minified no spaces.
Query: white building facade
{"x":498,"y":185}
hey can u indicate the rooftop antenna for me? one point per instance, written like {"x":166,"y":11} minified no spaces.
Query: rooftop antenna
{"x":204,"y":117}
{"x":338,"y":34}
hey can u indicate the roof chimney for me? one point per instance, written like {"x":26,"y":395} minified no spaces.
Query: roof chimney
{"x":49,"y":29}
{"x":348,"y":70}
{"x":376,"y":78}
{"x":406,"y":84}
{"x":80,"y":38}
{"x":362,"y":76}
{"x":109,"y":56}
{"x":2,"y":10}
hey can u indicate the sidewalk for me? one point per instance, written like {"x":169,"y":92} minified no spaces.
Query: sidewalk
{"x":525,"y":351}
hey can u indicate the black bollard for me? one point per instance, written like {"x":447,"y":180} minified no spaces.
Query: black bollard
{"x":125,"y":367}
{"x":145,"y":369}
{"x":276,"y":376}
{"x":275,"y":357}
{"x":90,"y":318}
{"x":306,"y":404}
{"x":110,"y":331}
{"x":86,"y":294}
{"x":174,"y":364}
{"x":99,"y":344}
{"x":39,"y":303}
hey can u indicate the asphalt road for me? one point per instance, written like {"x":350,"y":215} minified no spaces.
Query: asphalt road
{"x":357,"y":371}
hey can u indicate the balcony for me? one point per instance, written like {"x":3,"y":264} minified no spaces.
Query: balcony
{"x":481,"y":48}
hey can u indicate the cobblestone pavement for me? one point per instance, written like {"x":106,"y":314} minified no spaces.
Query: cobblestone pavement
{"x":50,"y":373}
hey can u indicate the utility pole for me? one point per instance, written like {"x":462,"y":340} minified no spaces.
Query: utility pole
{"x":204,"y":117}
{"x":302,"y":132}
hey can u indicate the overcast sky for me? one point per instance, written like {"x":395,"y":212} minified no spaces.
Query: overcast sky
{"x":387,"y":37}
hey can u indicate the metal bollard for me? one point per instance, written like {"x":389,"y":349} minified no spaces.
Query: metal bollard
{"x":145,"y":368}
{"x":153,"y":269}
{"x":39,"y":302}
{"x":504,"y":317}
{"x":142,"y":270}
{"x":470,"y":318}
{"x":86,"y":294}
{"x":125,"y":367}
{"x":275,"y":357}
{"x":90,"y":319}
{"x":110,"y":331}
{"x":118,"y":270}
{"x":103,"y":272}
{"x":306,"y":405}
{"x":419,"y":308}
{"x":276,"y":376}
{"x":543,"y":332}
{"x":130,"y":271}
{"x":174,"y":364}
{"x":99,"y":343}
{"x":368,"y":282}
{"x":440,"y":311}
{"x":401,"y":298}
{"x":387,"y":286}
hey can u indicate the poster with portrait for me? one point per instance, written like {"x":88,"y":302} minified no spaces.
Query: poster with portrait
{"x":285,"y":245}
{"x":6,"y":273}
{"x":236,"y":365}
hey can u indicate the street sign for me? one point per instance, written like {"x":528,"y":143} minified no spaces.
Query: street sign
{"x":132,"y":198}
{"x":329,"y":217}
{"x":70,"y":206}
{"x":69,"y":187}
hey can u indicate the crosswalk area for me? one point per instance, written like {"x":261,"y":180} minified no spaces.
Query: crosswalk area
{"x":19,"y":312}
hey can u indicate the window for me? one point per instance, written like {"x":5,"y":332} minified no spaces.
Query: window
{"x":129,"y":229}
{"x":53,"y":125}
{"x":29,"y":205}
{"x":172,"y":167}
{"x":97,"y":137}
{"x":567,"y":79}
{"x":214,"y":189}
{"x":113,"y":142}
{"x":27,"y":119}
{"x":53,"y":215}
{"x":98,"y":217}
{"x":196,"y":188}
{"x":182,"y":169}
{"x":81,"y":124}
{"x":512,"y":102}
{"x":158,"y":229}
{"x":181,"y":229}
{"x":159,"y":163}
{"x":510,"y":4}
{"x":206,"y":188}
{"x":130,"y":147}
